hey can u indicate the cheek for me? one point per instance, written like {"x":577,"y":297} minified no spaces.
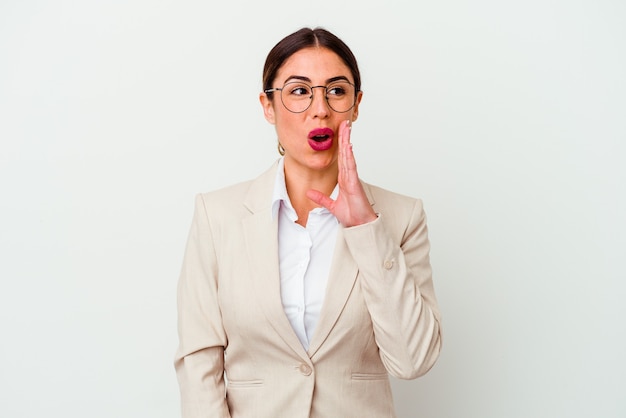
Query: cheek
{"x":286,"y":121}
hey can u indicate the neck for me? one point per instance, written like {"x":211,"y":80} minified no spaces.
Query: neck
{"x":299,"y":181}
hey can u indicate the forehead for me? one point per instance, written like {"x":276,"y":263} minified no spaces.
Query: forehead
{"x":316,"y":63}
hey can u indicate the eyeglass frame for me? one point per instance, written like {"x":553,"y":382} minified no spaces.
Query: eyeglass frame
{"x":280,"y":89}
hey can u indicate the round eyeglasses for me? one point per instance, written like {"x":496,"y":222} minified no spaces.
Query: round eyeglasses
{"x":297,"y":96}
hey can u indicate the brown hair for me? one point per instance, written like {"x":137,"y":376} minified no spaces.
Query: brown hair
{"x":306,"y":38}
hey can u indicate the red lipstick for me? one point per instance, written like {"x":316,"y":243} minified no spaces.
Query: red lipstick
{"x":321,"y":139}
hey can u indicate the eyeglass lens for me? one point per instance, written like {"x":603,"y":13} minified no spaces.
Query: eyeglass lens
{"x":297,"y":96}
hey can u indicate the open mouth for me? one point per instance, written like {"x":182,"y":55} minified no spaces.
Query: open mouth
{"x":320,"y":138}
{"x":321,"y":134}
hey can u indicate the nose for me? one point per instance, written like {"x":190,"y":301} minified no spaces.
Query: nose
{"x":319,"y":105}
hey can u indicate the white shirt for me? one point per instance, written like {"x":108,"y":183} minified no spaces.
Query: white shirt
{"x":305,"y":255}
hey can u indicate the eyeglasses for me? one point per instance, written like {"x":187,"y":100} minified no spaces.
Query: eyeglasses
{"x":297,"y":96}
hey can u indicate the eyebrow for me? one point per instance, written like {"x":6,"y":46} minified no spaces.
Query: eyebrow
{"x":308,"y":80}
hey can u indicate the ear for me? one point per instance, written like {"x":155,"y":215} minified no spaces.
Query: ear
{"x":268,"y":108}
{"x":355,"y":110}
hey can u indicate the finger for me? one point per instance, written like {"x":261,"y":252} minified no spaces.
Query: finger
{"x":349,"y":163}
{"x":344,"y":137}
{"x":344,"y":143}
{"x":321,"y":199}
{"x":347,"y":130}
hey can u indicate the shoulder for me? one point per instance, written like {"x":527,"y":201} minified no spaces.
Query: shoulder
{"x":234,"y":193}
{"x":384,"y":200}
{"x":399,"y":213}
{"x":244,"y":197}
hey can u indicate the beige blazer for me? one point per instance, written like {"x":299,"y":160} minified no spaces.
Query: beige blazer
{"x":379,"y":317}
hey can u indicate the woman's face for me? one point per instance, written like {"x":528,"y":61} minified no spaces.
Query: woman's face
{"x":310,"y":138}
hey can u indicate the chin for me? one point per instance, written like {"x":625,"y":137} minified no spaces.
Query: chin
{"x":322,"y":162}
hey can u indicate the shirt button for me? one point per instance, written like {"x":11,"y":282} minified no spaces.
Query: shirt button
{"x":388,"y":264}
{"x":305,"y":369}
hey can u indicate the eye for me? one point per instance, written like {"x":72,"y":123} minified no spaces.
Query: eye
{"x":336,"y":90}
{"x":299,"y":90}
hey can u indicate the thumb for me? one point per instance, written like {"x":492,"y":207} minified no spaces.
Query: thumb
{"x":321,"y":199}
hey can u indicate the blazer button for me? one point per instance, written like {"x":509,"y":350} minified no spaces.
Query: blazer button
{"x":388,"y":264}
{"x":305,"y":369}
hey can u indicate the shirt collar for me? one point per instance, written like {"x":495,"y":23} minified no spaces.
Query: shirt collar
{"x":280,"y":191}
{"x":280,"y":188}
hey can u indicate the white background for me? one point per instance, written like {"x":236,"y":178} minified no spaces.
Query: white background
{"x":507,"y":118}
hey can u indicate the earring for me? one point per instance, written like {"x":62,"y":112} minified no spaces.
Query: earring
{"x":281,"y":150}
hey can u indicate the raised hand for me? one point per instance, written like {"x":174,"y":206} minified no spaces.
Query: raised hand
{"x":351,"y":207}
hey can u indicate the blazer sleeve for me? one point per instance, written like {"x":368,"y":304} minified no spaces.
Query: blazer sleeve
{"x":396,"y":280}
{"x":199,"y":360}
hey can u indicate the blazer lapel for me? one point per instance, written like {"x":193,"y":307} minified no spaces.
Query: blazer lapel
{"x":341,"y":280}
{"x":261,"y":237}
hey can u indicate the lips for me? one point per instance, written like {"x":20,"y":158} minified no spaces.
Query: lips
{"x":321,"y":139}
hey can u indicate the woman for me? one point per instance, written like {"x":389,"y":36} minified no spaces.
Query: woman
{"x":301,"y":290}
